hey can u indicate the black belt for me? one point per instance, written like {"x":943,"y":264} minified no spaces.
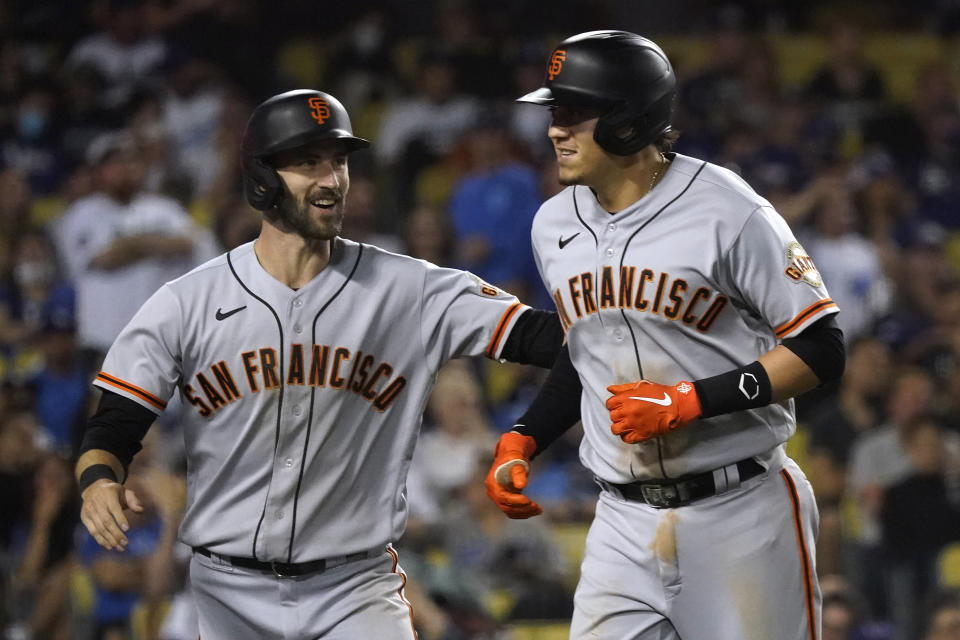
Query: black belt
{"x":681,"y":491}
{"x":286,"y":569}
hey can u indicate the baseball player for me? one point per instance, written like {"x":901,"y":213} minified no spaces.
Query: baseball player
{"x":693,"y":317}
{"x":304,"y":360}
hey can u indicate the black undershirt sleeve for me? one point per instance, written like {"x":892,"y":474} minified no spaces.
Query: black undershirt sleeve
{"x":536,"y":338}
{"x":556,"y":407}
{"x":820,"y":346}
{"x":118,"y":426}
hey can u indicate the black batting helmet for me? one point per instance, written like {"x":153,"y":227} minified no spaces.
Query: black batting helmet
{"x":287,"y":121}
{"x":625,"y":75}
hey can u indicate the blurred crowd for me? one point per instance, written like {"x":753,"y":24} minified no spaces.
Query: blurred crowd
{"x":120,"y":123}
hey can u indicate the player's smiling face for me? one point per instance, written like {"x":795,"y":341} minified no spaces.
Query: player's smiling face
{"x":317,"y":182}
{"x":580,"y":160}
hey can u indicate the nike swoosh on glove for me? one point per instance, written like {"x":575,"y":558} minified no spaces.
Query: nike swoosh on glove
{"x":643,"y":410}
{"x":508,"y":476}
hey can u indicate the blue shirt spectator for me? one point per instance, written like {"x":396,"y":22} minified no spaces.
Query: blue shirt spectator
{"x":492,"y":208}
{"x":114,"y":606}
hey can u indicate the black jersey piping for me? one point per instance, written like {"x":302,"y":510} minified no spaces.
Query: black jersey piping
{"x":633,"y":335}
{"x":576,"y":210}
{"x":596,"y":243}
{"x":276,"y":435}
{"x":313,"y":395}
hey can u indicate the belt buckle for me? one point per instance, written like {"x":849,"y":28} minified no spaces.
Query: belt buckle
{"x":661,"y":495}
{"x":278,"y":569}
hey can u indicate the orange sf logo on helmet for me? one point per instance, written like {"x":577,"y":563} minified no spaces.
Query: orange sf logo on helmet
{"x":320,"y":109}
{"x":556,"y":63}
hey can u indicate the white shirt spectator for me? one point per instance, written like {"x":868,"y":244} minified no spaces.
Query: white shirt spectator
{"x":438,"y":125}
{"x":107,"y":299}
{"x":851,"y":267}
{"x":123,"y":66}
{"x":191,"y":123}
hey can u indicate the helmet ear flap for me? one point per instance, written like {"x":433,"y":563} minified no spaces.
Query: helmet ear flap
{"x":620,"y":131}
{"x":261,"y":184}
{"x":625,"y":130}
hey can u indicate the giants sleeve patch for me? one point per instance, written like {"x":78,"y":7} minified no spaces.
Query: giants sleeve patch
{"x":486,"y":288}
{"x":800,"y":267}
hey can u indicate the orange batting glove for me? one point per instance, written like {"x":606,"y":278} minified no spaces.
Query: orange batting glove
{"x":643,"y":410}
{"x":508,"y":476}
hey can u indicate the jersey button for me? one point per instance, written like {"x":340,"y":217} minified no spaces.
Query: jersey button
{"x":298,"y":303}
{"x":288,"y":463}
{"x":296,"y":409}
{"x":279,"y":515}
{"x":298,"y":328}
{"x":610,"y":253}
{"x":612,"y":226}
{"x":618,"y":335}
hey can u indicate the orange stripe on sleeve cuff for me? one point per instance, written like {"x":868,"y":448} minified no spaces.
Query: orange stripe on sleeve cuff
{"x":805,"y":315}
{"x":117,"y":383}
{"x":501,"y":329}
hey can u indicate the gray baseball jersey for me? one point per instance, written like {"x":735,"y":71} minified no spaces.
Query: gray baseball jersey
{"x":699,"y":277}
{"x":303,"y":406}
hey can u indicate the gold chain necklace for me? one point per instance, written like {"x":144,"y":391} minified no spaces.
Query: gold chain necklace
{"x":656,"y":172}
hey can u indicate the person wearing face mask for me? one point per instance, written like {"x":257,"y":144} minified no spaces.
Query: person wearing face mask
{"x":35,"y":287}
{"x":32,"y":143}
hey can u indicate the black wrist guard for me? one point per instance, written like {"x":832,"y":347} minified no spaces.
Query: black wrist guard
{"x":95,"y":472}
{"x":744,"y":388}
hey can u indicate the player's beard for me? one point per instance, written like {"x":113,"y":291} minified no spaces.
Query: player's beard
{"x":300,"y":216}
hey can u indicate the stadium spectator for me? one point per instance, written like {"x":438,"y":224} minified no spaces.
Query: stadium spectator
{"x":920,"y":516}
{"x":122,"y":52}
{"x":943,"y":619}
{"x":492,"y":207}
{"x":879,"y":459}
{"x":122,"y":239}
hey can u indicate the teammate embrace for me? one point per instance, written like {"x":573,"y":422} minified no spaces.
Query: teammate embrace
{"x":691,"y":314}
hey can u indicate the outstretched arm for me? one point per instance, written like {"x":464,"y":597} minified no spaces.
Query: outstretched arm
{"x":536,"y":338}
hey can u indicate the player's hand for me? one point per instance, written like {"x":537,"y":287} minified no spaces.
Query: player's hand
{"x":643,"y":410}
{"x":508,"y":476}
{"x":102,"y":513}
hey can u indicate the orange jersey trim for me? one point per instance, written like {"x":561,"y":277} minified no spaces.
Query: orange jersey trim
{"x":146,"y":396}
{"x":805,"y":315}
{"x":403,"y":584}
{"x":498,"y":334}
{"x":804,"y":554}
